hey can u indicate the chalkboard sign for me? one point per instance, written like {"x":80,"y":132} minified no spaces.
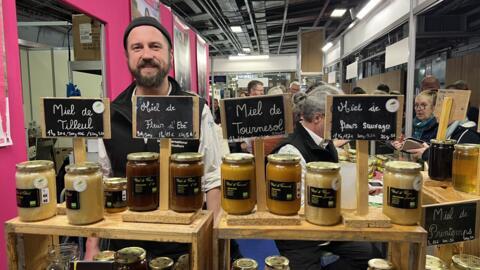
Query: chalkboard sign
{"x":75,"y":117}
{"x":256,"y":116}
{"x":450,"y":222}
{"x":174,"y":117}
{"x":363,"y":117}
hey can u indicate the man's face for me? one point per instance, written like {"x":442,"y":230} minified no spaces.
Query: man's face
{"x":149,"y":56}
{"x":257,"y":90}
{"x":294,"y":88}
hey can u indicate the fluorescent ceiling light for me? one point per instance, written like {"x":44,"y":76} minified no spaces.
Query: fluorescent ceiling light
{"x":352,"y":24}
{"x":338,"y":12}
{"x":367,"y":8}
{"x":247,"y":50}
{"x":327,"y":46}
{"x":236,"y":29}
{"x":247,"y":57}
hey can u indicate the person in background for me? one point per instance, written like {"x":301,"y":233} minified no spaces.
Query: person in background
{"x":358,"y":91}
{"x":243,"y":94}
{"x":472,"y":112}
{"x":216,"y":112}
{"x":430,"y":82}
{"x":384,"y":88}
{"x":294,"y":87}
{"x":277,"y":90}
{"x":255,"y":88}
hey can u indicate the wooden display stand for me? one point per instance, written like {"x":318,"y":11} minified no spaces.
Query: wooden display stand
{"x":198,"y":234}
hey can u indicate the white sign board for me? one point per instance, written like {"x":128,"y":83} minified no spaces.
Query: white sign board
{"x":352,"y":70}
{"x":396,"y":53}
{"x":332,"y":76}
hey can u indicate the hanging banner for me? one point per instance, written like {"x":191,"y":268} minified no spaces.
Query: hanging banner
{"x":5,"y":137}
{"x":145,"y":8}
{"x":181,"y":54}
{"x":202,"y":59}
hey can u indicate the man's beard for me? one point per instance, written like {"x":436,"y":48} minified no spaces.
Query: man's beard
{"x":152,"y":81}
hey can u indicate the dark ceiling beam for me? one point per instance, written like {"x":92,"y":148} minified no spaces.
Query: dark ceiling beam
{"x":250,"y":16}
{"x":291,"y":21}
{"x":320,"y":15}
{"x":199,"y":17}
{"x":473,"y":11}
{"x":212,"y":32}
{"x":283,"y":26}
{"x":193,"y":6}
{"x":286,"y":34}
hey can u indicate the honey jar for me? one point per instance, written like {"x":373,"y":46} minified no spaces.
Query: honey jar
{"x":440,"y":159}
{"x":36,"y":190}
{"x":277,"y":263}
{"x":402,"y":192}
{"x":434,"y":263}
{"x":161,"y":263}
{"x":142,"y":181}
{"x":245,"y":264}
{"x":323,"y":193}
{"x":465,"y":165}
{"x":238,"y":183}
{"x":186,"y":172}
{"x":84,"y":193}
{"x":115,"y":190}
{"x":131,"y":258}
{"x":105,"y":256}
{"x":465,"y":261}
{"x":379,"y":264}
{"x":284,"y":175}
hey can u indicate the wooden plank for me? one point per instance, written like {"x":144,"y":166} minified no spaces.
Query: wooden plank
{"x":287,"y":108}
{"x":400,"y":117}
{"x":79,"y":150}
{"x":444,"y":118}
{"x":36,"y":251}
{"x":362,"y":177}
{"x":106,"y":119}
{"x":42,"y":118}
{"x":202,"y":246}
{"x":373,"y":219}
{"x":196,"y":117}
{"x":400,"y":255}
{"x":12,"y":257}
{"x":328,"y":118}
{"x":262,"y":218}
{"x":165,"y":152}
{"x":260,"y":175}
{"x":460,"y":101}
{"x":159,"y":216}
{"x":223,"y":116}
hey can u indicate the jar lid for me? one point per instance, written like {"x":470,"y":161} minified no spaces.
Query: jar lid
{"x":160,"y":263}
{"x":381,"y":157}
{"x":130,"y":255}
{"x":237,"y":158}
{"x":323,"y":167}
{"x":380,"y":264}
{"x":277,"y":262}
{"x":467,"y":146}
{"x":404,"y":166}
{"x":245,"y":264}
{"x":115,"y":180}
{"x":284,"y":158}
{"x":434,"y":263}
{"x":84,"y":167}
{"x":187,"y":156}
{"x":35,"y":165}
{"x":448,"y":141}
{"x":465,"y":261}
{"x":352,"y":151}
{"x":105,"y":256}
{"x":139,"y":156}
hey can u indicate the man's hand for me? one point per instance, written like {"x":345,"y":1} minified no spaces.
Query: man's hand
{"x":91,"y":248}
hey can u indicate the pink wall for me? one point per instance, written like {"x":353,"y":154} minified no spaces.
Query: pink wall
{"x":166,"y":18}
{"x":193,"y":61}
{"x":16,"y":153}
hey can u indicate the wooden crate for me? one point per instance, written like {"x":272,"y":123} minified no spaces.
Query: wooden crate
{"x":198,"y":234}
{"x":407,"y":243}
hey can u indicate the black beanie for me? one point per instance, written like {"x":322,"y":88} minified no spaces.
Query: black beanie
{"x":145,"y":21}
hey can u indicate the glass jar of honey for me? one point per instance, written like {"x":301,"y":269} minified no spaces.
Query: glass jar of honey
{"x":105,"y":256}
{"x":284,"y":175}
{"x":115,"y":190}
{"x":465,"y":261}
{"x":379,"y":264}
{"x":402,"y":192}
{"x":186,"y":172}
{"x":440,"y":159}
{"x":277,"y":263}
{"x":131,"y":258}
{"x":36,"y":190}
{"x":84,"y":193}
{"x":245,"y":264}
{"x":161,"y":263}
{"x":465,"y":165}
{"x":434,"y":263}
{"x":238,"y":183}
{"x":142,"y":181}
{"x":323,"y":193}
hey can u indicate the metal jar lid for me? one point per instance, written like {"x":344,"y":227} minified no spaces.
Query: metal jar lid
{"x":35,"y":165}
{"x":467,"y":146}
{"x":277,"y":262}
{"x":141,"y":156}
{"x":187,"y":157}
{"x":238,"y":158}
{"x":380,"y":264}
{"x":403,"y":166}
{"x":245,"y":264}
{"x":465,"y":261}
{"x":284,"y":158}
{"x":434,"y":263}
{"x":84,"y":167}
{"x":105,"y":256}
{"x":324,"y":167}
{"x":114,"y":182}
{"x":447,"y":142}
{"x":130,"y":255}
{"x":161,"y":263}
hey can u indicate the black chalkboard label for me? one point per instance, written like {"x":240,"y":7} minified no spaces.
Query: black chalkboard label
{"x":236,"y":189}
{"x":322,"y":197}
{"x":175,"y":117}
{"x":187,"y":186}
{"x":28,"y":198}
{"x":282,"y":191}
{"x":144,"y":185}
{"x":72,"y":199}
{"x":363,"y":117}
{"x":450,"y":223}
{"x":402,"y":198}
{"x":115,"y":199}
{"x":75,"y":117}
{"x":256,"y":117}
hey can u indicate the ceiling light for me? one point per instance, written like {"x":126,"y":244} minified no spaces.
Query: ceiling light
{"x":236,"y":29}
{"x":367,"y":8}
{"x":338,"y":12}
{"x":248,"y":57}
{"x":247,"y":50}
{"x":327,"y":46}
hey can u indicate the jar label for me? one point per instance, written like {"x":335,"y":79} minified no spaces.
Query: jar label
{"x":40,"y":183}
{"x":45,"y":195}
{"x":417,"y":183}
{"x":28,"y":198}
{"x":282,"y":191}
{"x":236,"y":189}
{"x":115,"y":199}
{"x":144,"y":185}
{"x":80,"y":185}
{"x":322,"y":197}
{"x":187,"y":186}
{"x":72,"y":198}
{"x":402,"y":198}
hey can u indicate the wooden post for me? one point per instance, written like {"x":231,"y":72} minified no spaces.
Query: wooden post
{"x":260,"y":175}
{"x":165,"y":152}
{"x":444,"y":118}
{"x":362,"y":177}
{"x":79,"y":150}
